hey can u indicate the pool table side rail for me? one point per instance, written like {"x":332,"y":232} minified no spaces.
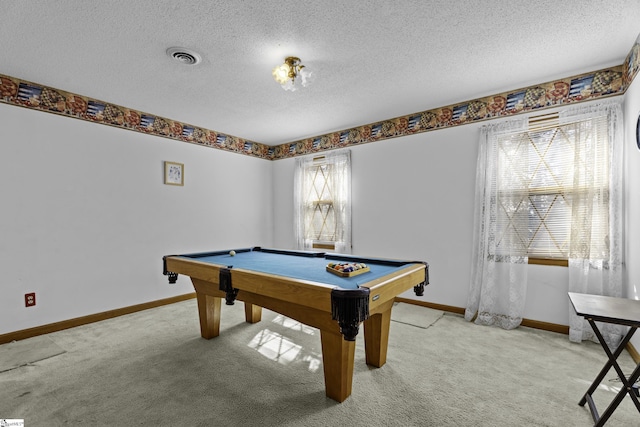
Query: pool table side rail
{"x":196,"y":255}
{"x":193,"y":268}
{"x":297,"y":291}
{"x":309,"y":254}
{"x":388,"y":287}
{"x":313,"y":294}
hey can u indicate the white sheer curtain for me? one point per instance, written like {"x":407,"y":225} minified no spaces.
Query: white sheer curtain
{"x":508,"y":206}
{"x":595,"y":260}
{"x":499,"y":260}
{"x":322,"y":200}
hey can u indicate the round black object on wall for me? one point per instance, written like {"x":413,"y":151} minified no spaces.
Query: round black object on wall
{"x":638,"y":132}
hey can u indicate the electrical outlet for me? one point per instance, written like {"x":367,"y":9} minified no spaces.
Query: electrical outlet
{"x":30,"y":299}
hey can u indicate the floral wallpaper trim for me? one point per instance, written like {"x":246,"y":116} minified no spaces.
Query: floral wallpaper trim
{"x":584,"y":87}
{"x":38,"y":97}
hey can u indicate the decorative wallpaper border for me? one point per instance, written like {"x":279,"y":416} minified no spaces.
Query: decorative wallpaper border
{"x":38,"y":97}
{"x":584,"y":87}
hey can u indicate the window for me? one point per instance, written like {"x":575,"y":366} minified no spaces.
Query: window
{"x":547,"y":191}
{"x":323,"y":202}
{"x":547,"y":176}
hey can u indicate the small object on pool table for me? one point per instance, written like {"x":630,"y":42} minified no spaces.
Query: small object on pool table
{"x":232,"y":253}
{"x":346,"y":269}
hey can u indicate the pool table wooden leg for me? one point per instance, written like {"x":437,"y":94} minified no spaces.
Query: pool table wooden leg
{"x":209,"y":311}
{"x":376,"y":336}
{"x":337,"y":359}
{"x":252,"y":312}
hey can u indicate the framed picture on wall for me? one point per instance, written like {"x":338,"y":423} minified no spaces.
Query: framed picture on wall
{"x":173,"y":173}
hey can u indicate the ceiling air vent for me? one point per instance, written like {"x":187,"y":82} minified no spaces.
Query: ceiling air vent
{"x":184,"y":56}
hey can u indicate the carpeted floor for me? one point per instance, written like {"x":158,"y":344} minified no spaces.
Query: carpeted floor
{"x":152,"y":368}
{"x":20,"y":353}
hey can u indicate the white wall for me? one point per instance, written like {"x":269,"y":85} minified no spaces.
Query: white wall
{"x":85,"y":217}
{"x":632,"y":196}
{"x":411,"y":200}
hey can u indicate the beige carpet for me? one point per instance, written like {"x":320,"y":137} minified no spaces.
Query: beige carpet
{"x":153,"y":369}
{"x":20,"y":353}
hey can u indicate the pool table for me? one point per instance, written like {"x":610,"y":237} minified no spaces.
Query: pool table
{"x":298,"y":285}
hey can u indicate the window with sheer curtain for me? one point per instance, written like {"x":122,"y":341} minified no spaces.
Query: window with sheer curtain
{"x":548,"y":192}
{"x":322,"y":202}
{"x":544,"y":173}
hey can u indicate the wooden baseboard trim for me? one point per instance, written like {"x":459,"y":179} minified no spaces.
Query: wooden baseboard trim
{"x":545,"y":326}
{"x":449,"y":308}
{"x":78,"y":321}
{"x":536,"y":324}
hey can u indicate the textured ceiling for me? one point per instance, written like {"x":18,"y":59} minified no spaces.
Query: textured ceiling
{"x":371,"y":59}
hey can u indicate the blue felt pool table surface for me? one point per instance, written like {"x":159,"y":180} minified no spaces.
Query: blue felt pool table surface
{"x":298,"y":267}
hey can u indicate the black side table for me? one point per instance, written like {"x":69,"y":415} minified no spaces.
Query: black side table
{"x":620,"y":311}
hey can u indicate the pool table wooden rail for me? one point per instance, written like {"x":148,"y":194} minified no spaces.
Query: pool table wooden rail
{"x":313,"y":294}
{"x":298,"y":291}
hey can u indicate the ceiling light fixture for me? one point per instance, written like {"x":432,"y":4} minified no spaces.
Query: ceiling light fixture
{"x":287,"y":73}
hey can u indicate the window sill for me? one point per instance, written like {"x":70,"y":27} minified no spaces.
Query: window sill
{"x":319,"y":245}
{"x":548,"y":261}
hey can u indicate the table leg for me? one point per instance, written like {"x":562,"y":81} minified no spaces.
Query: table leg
{"x":627,"y":383}
{"x":624,"y":390}
{"x":337,"y":359}
{"x":252,"y":312}
{"x":376,"y":336}
{"x":209,"y":312}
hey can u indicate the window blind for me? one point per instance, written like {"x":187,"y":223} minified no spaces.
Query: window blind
{"x":548,"y":177}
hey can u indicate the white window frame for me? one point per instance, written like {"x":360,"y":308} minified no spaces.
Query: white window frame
{"x":323,"y":182}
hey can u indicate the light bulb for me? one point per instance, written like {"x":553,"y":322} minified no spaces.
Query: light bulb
{"x":281,"y":73}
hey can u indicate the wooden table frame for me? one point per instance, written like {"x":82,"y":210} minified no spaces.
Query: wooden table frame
{"x":306,"y":302}
{"x":620,"y":311}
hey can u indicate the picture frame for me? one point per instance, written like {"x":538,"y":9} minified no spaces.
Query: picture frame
{"x":174,"y":173}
